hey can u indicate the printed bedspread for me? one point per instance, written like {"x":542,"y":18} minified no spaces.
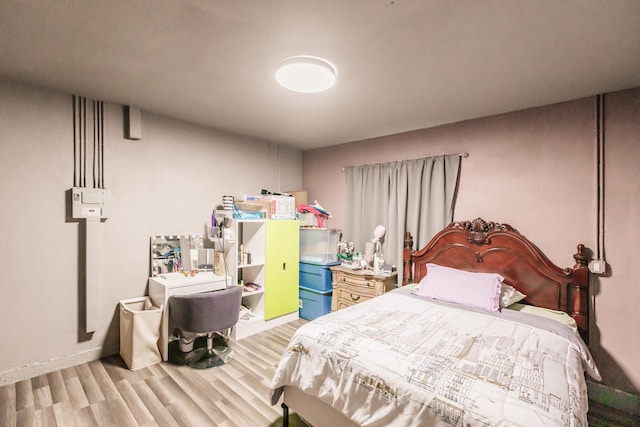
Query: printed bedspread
{"x":400,"y":358}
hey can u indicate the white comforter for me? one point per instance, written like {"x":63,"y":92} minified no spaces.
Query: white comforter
{"x":399,"y":358}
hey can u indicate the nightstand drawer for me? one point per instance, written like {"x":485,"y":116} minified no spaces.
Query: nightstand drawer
{"x":343,"y":303}
{"x":353,"y":295}
{"x":359,"y":285}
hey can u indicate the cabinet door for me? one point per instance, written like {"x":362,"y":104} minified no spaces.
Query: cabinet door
{"x":282,"y":258}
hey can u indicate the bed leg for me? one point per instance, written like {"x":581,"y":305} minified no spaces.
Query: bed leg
{"x":285,"y":415}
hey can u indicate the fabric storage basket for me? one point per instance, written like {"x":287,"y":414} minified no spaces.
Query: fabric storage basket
{"x":139,"y":332}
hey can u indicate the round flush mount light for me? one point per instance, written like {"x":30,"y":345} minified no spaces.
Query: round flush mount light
{"x":306,"y":74}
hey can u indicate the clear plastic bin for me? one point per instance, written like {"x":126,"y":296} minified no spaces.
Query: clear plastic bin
{"x":319,"y":245}
{"x":139,"y":332}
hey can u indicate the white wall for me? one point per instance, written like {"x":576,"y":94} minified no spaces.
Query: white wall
{"x":166,"y":183}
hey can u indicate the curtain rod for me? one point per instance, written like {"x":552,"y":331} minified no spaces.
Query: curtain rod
{"x":463,"y":154}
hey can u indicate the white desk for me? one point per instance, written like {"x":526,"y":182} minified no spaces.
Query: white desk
{"x":165,"y":285}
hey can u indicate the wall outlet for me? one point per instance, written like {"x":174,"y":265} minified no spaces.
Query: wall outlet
{"x":598,"y":266}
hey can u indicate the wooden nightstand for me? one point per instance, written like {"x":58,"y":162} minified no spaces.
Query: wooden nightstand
{"x":354,"y":286}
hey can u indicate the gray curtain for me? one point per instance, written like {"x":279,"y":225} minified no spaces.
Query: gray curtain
{"x":410,"y":195}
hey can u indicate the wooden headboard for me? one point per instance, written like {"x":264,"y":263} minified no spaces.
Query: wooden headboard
{"x":485,"y":246}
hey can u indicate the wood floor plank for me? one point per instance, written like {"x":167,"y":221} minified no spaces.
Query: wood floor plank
{"x":77,"y":396}
{"x":163,"y":392}
{"x":85,"y":417}
{"x":240,"y":407}
{"x":113,"y":412}
{"x":103,"y":380}
{"x":57,"y":387}
{"x":47,"y":416}
{"x":8,"y":406}
{"x":69,"y":373}
{"x":89,"y":384}
{"x":160,"y":413}
{"x":265,"y":373}
{"x":64,"y":414}
{"x":242,"y":387}
{"x":42,"y":397}
{"x":241,"y":413}
{"x":27,"y":418}
{"x":187,"y":387}
{"x":39,"y":381}
{"x":24,"y":395}
{"x":135,"y":405}
{"x":117,"y":370}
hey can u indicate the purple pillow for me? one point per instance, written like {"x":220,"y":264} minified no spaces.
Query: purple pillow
{"x":480,"y":290}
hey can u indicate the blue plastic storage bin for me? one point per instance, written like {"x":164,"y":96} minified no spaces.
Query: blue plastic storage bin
{"x":313,"y":304}
{"x":316,"y":277}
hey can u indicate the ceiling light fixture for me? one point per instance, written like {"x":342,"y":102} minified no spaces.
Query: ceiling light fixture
{"x":306,"y":74}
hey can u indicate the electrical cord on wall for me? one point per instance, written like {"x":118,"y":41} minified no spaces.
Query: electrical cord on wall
{"x":81,"y":149}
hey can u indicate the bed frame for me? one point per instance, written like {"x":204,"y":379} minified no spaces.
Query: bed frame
{"x":485,"y":246}
{"x":480,"y":246}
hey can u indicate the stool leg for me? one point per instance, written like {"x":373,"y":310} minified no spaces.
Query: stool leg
{"x":285,"y":415}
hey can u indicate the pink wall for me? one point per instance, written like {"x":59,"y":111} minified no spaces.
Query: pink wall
{"x":536,"y":170}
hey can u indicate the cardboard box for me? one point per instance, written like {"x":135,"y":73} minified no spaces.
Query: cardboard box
{"x":281,"y":207}
{"x":300,"y":196}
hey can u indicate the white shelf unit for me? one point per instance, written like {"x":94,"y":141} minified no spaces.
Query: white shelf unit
{"x":250,"y":233}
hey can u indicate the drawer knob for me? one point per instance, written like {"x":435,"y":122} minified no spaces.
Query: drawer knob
{"x":355,"y":297}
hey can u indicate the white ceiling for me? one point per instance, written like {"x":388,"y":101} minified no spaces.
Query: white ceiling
{"x":402,"y":64}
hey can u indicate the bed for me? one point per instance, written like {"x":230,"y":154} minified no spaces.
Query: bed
{"x":485,"y":330}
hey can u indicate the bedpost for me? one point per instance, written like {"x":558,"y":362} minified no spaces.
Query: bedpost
{"x":580,"y":293}
{"x":407,"y":276}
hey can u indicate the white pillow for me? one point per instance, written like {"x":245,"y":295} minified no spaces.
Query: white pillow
{"x":510,"y":295}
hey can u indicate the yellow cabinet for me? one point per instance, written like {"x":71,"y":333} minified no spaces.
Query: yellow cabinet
{"x":282,"y":258}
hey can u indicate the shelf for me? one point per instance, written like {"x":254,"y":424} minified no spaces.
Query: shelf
{"x":253,"y":264}
{"x":258,"y":324}
{"x":251,"y":293}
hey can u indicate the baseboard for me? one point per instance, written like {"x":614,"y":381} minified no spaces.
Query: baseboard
{"x":35,"y":369}
{"x":617,"y":401}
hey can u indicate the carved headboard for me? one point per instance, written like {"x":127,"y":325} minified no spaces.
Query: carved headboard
{"x":486,"y":246}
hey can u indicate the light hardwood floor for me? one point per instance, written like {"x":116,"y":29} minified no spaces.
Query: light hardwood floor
{"x":106,"y":393}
